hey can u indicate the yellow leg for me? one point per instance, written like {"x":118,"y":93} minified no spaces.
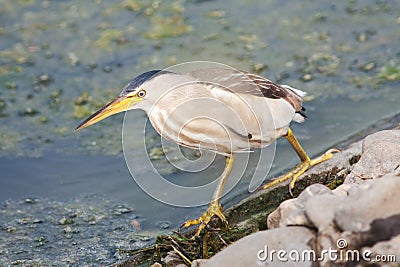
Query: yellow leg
{"x":215,"y":208}
{"x":304,"y":165}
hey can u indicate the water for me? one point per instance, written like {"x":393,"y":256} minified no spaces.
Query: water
{"x":60,"y":61}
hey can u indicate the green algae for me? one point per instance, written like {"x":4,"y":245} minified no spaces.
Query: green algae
{"x":167,"y":27}
{"x":108,"y":37}
{"x":216,"y":14}
{"x":390,"y":73}
{"x":132,"y":5}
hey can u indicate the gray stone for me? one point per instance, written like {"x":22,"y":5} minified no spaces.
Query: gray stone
{"x":388,"y":251}
{"x":342,"y":190}
{"x":248,"y":250}
{"x":198,"y":262}
{"x":287,"y":213}
{"x":321,"y":210}
{"x":291,"y":212}
{"x":173,"y":260}
{"x":380,"y":155}
{"x":380,"y":200}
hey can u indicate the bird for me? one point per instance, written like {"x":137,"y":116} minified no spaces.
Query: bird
{"x":224,"y":110}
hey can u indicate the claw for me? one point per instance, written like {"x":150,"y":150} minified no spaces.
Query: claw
{"x":214,"y":209}
{"x":301,"y":169}
{"x":333,"y":151}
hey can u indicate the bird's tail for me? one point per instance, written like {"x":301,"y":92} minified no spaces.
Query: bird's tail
{"x":298,"y":92}
{"x":300,"y":115}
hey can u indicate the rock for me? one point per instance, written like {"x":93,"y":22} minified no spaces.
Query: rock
{"x":353,"y":217}
{"x":379,"y":200}
{"x":279,"y":217}
{"x":256,"y":249}
{"x":198,"y":262}
{"x":65,"y":221}
{"x":321,"y":210}
{"x":380,"y":155}
{"x":291,"y":212}
{"x":389,"y":249}
{"x":342,"y":190}
{"x":120,"y":210}
{"x":317,"y":206}
{"x":173,"y":260}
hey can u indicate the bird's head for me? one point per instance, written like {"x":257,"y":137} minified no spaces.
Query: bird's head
{"x":133,"y":93}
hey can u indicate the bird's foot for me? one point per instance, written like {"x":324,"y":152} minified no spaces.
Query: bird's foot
{"x":300,"y":169}
{"x":214,"y":209}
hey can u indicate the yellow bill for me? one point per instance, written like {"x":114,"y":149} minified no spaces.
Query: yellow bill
{"x":118,"y":105}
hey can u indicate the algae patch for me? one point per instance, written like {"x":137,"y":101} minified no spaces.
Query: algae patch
{"x":167,"y":27}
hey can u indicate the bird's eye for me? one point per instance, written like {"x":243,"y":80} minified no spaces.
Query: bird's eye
{"x":141,"y":93}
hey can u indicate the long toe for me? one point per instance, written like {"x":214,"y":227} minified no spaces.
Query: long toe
{"x":214,"y":209}
{"x":324,"y":157}
{"x":301,"y":169}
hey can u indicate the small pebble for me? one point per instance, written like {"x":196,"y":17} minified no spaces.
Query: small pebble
{"x":67,"y":229}
{"x":30,"y":200}
{"x":65,"y":221}
{"x":36,"y":220}
{"x":120,"y":209}
{"x":8,"y":228}
{"x":92,"y":220}
{"x":45,"y":78}
{"x":23,"y":221}
{"x":162,"y":225}
{"x":368,"y":67}
{"x":73,"y":59}
{"x":306,"y":77}
{"x":42,"y":240}
{"x":73,"y":214}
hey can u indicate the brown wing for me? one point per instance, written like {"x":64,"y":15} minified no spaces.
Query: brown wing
{"x":276,"y":91}
{"x":248,"y":83}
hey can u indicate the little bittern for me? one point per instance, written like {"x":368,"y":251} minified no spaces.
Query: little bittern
{"x":257,"y":113}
